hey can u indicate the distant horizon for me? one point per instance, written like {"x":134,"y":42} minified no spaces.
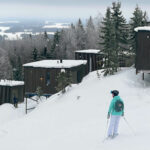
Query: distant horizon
{"x":64,"y":10}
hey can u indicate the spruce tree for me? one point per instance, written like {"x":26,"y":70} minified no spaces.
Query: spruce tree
{"x":17,"y":70}
{"x":107,"y":35}
{"x":80,"y":35}
{"x":114,"y":37}
{"x":139,"y":19}
{"x":63,"y":80}
{"x":39,"y":92}
{"x":55,"y":45}
{"x":35,"y":54}
{"x":44,"y":53}
{"x":119,"y":33}
{"x":91,"y":34}
{"x":63,"y":44}
{"x":46,"y":36}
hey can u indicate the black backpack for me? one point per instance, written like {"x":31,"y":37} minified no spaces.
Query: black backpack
{"x":119,"y":106}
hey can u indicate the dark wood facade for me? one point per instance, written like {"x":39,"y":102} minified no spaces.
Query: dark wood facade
{"x":94,"y":60}
{"x":142,"y":51}
{"x":46,"y":78}
{"x":7,"y":93}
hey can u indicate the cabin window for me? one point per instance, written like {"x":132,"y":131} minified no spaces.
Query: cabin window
{"x":147,"y":36}
{"x":80,"y":56}
{"x":48,"y":78}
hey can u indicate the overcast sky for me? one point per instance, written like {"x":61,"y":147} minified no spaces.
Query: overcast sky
{"x":73,"y":9}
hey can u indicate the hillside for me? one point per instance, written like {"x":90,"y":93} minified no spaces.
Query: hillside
{"x":77,"y":119}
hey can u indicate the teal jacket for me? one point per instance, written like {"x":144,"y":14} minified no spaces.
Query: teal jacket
{"x":112,"y":107}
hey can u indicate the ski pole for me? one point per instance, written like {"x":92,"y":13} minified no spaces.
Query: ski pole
{"x":106,"y":129}
{"x":130,"y":127}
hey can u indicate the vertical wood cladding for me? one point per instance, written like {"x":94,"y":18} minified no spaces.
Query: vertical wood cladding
{"x":143,"y":50}
{"x":46,"y":78}
{"x":97,"y":60}
{"x":7,"y":93}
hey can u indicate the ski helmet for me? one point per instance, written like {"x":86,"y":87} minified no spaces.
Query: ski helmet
{"x":115,"y":92}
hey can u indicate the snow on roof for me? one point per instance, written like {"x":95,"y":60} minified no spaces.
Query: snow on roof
{"x":56,"y":63}
{"x":144,"y":28}
{"x":11,"y":83}
{"x":93,"y":51}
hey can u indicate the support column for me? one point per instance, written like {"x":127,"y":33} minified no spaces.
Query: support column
{"x":143,"y":75}
{"x":26,"y":106}
{"x":90,"y":65}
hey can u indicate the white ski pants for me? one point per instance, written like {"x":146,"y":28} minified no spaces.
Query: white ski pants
{"x":113,"y":125}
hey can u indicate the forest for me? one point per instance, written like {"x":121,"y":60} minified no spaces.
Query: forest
{"x":112,"y":34}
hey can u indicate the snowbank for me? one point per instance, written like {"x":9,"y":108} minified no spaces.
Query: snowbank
{"x":8,"y":113}
{"x":77,"y":119}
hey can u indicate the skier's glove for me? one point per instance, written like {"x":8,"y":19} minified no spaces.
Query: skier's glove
{"x":108,"y":116}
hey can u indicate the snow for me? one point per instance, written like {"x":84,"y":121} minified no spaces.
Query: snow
{"x":144,"y":28}
{"x":28,"y":30}
{"x":2,"y":22}
{"x":10,"y":83}
{"x":56,"y":63}
{"x":77,"y":119}
{"x":57,"y":25}
{"x":9,"y":113}
{"x":3,"y":29}
{"x":93,"y":51}
{"x":18,"y":35}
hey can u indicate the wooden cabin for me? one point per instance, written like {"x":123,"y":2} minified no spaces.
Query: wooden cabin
{"x":10,"y":89}
{"x":94,"y":58}
{"x":44,"y":73}
{"x":142,"y":49}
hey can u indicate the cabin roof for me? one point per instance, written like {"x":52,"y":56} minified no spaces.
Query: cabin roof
{"x":144,"y":28}
{"x":91,"y":51}
{"x":10,"y":83}
{"x":56,"y":63}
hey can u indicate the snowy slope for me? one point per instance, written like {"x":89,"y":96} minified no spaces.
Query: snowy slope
{"x":77,"y":119}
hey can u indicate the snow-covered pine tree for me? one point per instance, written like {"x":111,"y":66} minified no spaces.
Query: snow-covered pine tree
{"x":63,"y":43}
{"x":119,"y":32}
{"x":91,"y":34}
{"x":46,"y":36}
{"x":139,"y":18}
{"x":63,"y":79}
{"x":44,"y":53}
{"x":5,"y":65}
{"x":80,"y":35}
{"x":17,"y":70}
{"x":107,"y":43}
{"x":71,"y":42}
{"x":39,"y":92}
{"x":69,"y":78}
{"x":35,"y":54}
{"x":55,"y":45}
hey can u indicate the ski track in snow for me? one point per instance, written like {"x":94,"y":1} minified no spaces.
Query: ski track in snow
{"x":77,"y":119}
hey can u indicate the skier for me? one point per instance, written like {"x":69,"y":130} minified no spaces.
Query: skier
{"x":15,"y":102}
{"x":116,"y":110}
